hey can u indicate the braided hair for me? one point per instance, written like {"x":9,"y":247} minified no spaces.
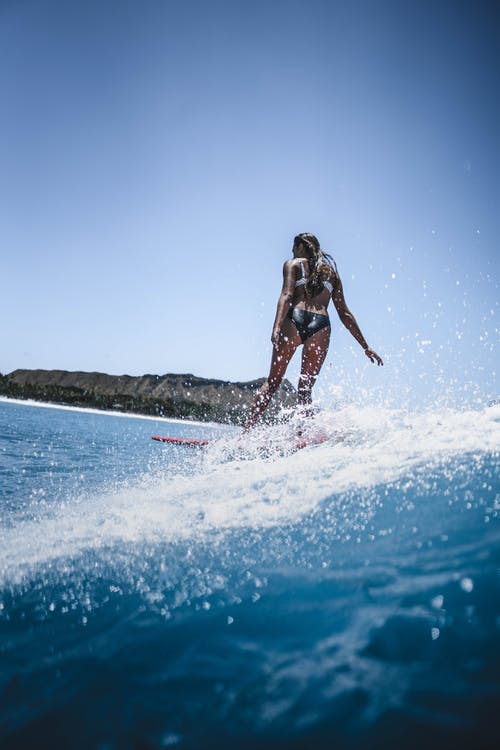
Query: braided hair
{"x":321,"y":264}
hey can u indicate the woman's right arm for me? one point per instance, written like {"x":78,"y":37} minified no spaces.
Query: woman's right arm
{"x":285,"y":300}
{"x":350,"y":322}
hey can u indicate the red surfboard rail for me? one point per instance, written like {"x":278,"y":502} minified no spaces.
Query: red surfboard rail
{"x":193,"y":442}
{"x":301,"y":441}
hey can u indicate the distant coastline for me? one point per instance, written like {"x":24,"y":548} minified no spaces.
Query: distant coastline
{"x":171,"y":396}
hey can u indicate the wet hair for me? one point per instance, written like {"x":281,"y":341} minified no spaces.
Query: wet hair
{"x":321,"y":264}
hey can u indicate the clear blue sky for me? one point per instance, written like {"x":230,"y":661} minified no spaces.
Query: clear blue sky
{"x":157,"y":158}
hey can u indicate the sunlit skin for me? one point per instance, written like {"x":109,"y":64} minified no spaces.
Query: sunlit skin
{"x":286,"y":340}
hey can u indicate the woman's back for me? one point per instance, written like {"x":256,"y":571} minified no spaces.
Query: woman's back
{"x":302,"y":298}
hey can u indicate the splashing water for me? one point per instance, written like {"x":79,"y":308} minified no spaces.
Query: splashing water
{"x":345,"y":592}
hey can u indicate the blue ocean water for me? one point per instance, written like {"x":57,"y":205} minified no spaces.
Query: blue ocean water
{"x":343,"y":596}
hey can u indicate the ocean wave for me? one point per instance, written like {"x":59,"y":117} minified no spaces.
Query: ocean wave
{"x":399,"y":453}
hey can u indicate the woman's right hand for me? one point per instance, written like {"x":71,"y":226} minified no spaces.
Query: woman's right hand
{"x":275,"y":337}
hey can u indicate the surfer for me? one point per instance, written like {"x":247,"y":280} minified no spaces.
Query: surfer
{"x":310,"y":280}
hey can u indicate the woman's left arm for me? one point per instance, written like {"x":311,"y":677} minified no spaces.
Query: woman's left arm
{"x":350,"y":322}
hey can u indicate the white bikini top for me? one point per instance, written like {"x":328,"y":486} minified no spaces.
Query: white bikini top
{"x":303,"y":280}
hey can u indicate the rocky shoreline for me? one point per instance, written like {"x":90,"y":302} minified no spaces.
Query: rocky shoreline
{"x":171,"y":395}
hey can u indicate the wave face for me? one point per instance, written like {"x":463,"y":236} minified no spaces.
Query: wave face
{"x":344,"y":595}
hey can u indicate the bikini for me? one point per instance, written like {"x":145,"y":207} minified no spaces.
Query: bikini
{"x":306,"y":322}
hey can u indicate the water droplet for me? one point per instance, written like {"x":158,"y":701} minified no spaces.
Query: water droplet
{"x":467,"y":584}
{"x":437,"y":602}
{"x":170,"y":740}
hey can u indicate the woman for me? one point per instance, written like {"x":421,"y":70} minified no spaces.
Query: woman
{"x":309,"y":281}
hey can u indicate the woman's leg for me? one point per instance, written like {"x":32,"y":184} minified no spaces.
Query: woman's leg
{"x":282,"y":354}
{"x":313,"y":356}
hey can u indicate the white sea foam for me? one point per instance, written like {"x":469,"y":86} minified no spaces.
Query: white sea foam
{"x":368,"y":447}
{"x":105,"y":412}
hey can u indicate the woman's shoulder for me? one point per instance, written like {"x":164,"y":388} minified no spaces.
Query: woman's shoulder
{"x":292,"y":264}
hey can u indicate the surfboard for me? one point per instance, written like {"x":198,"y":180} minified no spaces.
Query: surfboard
{"x":191,"y":442}
{"x":301,"y":441}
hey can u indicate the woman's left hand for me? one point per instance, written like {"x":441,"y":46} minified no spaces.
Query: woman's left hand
{"x":373,"y":356}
